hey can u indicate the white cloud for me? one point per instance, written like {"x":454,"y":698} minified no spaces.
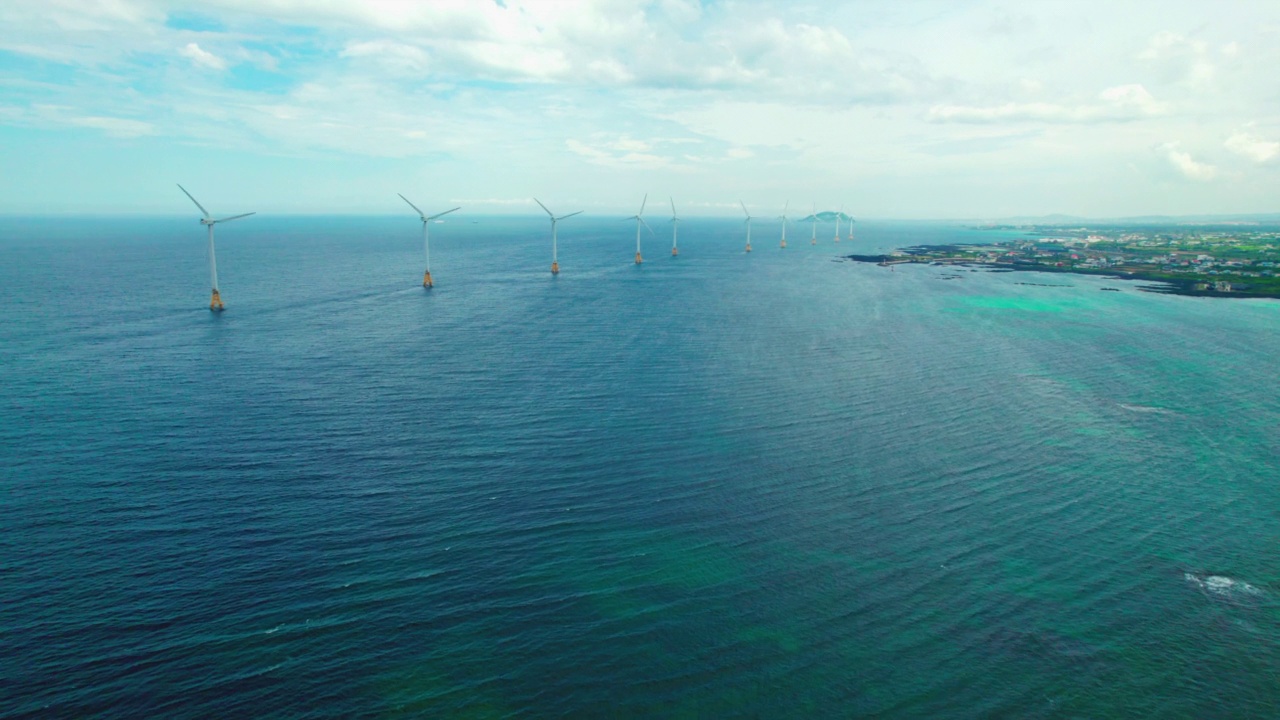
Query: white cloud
{"x":1252,"y":147}
{"x":389,"y":54}
{"x":45,"y":114}
{"x":1123,"y":102}
{"x":1181,"y":57}
{"x":202,"y":57}
{"x":1030,"y":86}
{"x":116,"y":127}
{"x":1185,"y":164}
{"x":622,"y":152}
{"x":482,"y":202}
{"x":873,"y":97}
{"x":1134,"y":97}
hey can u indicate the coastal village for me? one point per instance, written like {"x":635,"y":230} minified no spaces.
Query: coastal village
{"x":1236,"y":262}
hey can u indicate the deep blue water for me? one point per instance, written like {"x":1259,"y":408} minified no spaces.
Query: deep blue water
{"x":775,"y":485}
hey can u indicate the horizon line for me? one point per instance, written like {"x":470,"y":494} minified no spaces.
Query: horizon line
{"x":1048,"y":218}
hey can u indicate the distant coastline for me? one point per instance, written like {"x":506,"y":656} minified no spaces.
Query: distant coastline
{"x":1232,"y":264}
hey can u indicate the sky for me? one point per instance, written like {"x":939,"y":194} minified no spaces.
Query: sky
{"x":887,"y":108}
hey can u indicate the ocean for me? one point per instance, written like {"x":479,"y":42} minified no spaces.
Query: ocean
{"x":776,"y":484}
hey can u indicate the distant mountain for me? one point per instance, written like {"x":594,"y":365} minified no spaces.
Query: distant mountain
{"x":828,"y":216}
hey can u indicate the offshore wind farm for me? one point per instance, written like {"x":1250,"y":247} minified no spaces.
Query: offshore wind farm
{"x":1006,"y":451}
{"x":428,"y":281}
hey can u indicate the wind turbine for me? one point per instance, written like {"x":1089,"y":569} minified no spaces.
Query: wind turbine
{"x":426,"y":244}
{"x":215,"y":304}
{"x":783,"y":218}
{"x":675,"y":228}
{"x":744,"y":209}
{"x":838,"y":224}
{"x":640,"y":221}
{"x":850,"y":228}
{"x":555,"y":266}
{"x":814,"y":241}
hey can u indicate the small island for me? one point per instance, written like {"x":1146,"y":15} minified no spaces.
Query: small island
{"x":1219,"y":262}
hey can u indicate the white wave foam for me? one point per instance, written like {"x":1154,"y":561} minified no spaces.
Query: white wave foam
{"x":1147,"y":409}
{"x":1222,"y":585}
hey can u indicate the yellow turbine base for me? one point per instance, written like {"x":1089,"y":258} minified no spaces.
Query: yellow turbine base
{"x":555,"y":268}
{"x":426,"y":280}
{"x":638,"y":260}
{"x":748,"y":247}
{"x":674,"y":252}
{"x":784,"y":244}
{"x":837,"y":240}
{"x":215,"y":304}
{"x":813,"y":242}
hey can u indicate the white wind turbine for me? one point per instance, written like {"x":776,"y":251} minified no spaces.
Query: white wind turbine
{"x":850,"y":228}
{"x":426,"y":243}
{"x":749,"y":219}
{"x":814,"y":216}
{"x":675,"y":228}
{"x":783,"y":218}
{"x":215,"y":304}
{"x":838,"y":223}
{"x":640,"y":221}
{"x":555,"y":265}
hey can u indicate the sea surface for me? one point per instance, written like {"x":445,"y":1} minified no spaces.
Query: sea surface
{"x":776,"y":484}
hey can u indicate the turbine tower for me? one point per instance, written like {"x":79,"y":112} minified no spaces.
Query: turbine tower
{"x":215,"y":304}
{"x":850,"y":228}
{"x":675,"y":228}
{"x":749,"y":218}
{"x":640,"y":221}
{"x":783,"y":218}
{"x":426,"y":243}
{"x":838,"y":224}
{"x":555,"y":266}
{"x":814,"y":216}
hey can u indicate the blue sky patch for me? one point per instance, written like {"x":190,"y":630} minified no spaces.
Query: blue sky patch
{"x":255,"y":79}
{"x":194,"y":22}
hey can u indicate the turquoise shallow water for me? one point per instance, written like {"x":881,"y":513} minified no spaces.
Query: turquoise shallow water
{"x":777,"y":484}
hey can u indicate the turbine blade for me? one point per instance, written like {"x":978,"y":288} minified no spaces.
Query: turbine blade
{"x":785,"y":205}
{"x":415,"y":207}
{"x":446,"y":212}
{"x":184,"y":192}
{"x":544,"y":207}
{"x":233,"y":217}
{"x":570,"y":215}
{"x":646,"y":227}
{"x":744,"y":208}
{"x":673,"y":207}
{"x":642,"y":204}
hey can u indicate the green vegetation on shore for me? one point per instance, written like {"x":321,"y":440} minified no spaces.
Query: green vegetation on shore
{"x":1218,"y":262}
